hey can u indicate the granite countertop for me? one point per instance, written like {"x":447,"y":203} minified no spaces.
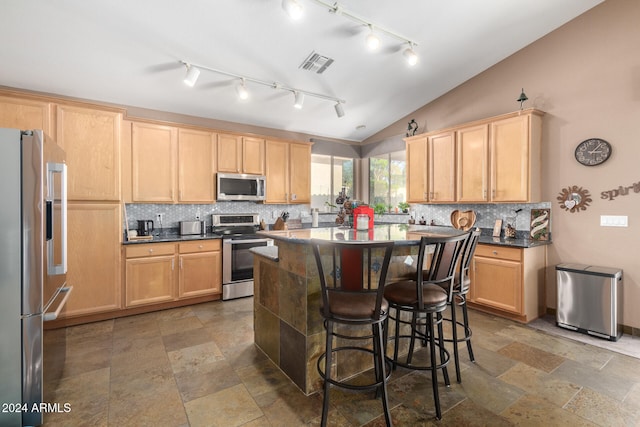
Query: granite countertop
{"x":399,"y":233}
{"x":172,"y":235}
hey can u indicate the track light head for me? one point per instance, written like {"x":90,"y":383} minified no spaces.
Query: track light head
{"x":373,"y":42}
{"x":243,"y":93}
{"x":339,"y":109}
{"x":299,"y":100}
{"x":410,"y":55}
{"x":293,"y":9}
{"x":192,"y":75}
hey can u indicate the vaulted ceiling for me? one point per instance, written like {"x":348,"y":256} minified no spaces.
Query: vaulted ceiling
{"x":131,"y":52}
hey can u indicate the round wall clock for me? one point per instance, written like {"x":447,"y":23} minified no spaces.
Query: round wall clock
{"x":593,"y":151}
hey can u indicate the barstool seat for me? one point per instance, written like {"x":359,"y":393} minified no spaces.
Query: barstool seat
{"x":424,"y":297}
{"x":352,"y":277}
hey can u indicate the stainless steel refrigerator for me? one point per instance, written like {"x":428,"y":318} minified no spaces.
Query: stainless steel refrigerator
{"x":33,"y":248}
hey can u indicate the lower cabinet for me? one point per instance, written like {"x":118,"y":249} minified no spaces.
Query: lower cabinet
{"x":164,"y":272}
{"x":93,"y":267}
{"x":509,"y":281}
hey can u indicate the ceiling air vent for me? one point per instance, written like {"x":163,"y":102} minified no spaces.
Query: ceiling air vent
{"x":316,"y":62}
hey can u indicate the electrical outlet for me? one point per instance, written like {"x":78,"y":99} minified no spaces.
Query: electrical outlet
{"x":160,"y":217}
{"x":614,"y":221}
{"x":197,"y":216}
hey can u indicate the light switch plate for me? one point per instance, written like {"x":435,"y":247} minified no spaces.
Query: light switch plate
{"x":614,"y":221}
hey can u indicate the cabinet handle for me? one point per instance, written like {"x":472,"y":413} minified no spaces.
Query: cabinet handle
{"x":151,"y":250}
{"x":172,"y":264}
{"x":180,"y":263}
{"x":493,"y":193}
{"x":199,"y":246}
{"x":484,"y":193}
{"x":495,"y":252}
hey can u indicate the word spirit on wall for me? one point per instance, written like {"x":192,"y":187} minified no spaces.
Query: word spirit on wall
{"x":620,"y":191}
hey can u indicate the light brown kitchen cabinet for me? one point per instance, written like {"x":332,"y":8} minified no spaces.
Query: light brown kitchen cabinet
{"x":200,"y":267}
{"x":508,"y":281}
{"x":515,"y":158}
{"x":472,"y":162}
{"x":91,"y":139}
{"x":25,"y":113}
{"x":494,"y":160}
{"x":288,"y":172}
{"x":240,"y":154}
{"x":196,"y":169}
{"x":153,"y":162}
{"x":417,"y":169}
{"x":94,"y":267}
{"x":431,"y":168}
{"x":150,"y":273}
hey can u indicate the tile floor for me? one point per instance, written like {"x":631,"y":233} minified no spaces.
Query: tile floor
{"x":198,"y":366}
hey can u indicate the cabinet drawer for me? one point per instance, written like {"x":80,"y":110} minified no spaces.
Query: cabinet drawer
{"x":200,"y":246}
{"x":493,"y":251}
{"x":150,"y":249}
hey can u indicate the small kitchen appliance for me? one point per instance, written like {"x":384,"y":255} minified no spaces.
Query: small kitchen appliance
{"x":145,"y":227}
{"x":363,"y":218}
{"x":192,"y":228}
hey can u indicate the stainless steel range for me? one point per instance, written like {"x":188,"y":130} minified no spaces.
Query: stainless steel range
{"x":238,"y":233}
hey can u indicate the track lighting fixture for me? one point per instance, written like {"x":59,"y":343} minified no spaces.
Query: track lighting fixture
{"x":293,"y":8}
{"x":373,"y":42}
{"x":242,"y":90}
{"x":243,"y":93}
{"x":410,"y":55}
{"x":192,"y":75}
{"x":299,"y":100}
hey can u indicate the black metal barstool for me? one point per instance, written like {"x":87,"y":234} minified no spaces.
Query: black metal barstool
{"x":423,"y":297}
{"x":461,"y":287}
{"x":352,"y":277}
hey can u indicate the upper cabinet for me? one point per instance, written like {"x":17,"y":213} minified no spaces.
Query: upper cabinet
{"x":472,"y":160}
{"x":153,"y":162}
{"x":196,"y":169}
{"x":171,"y":165}
{"x":91,"y":140}
{"x":240,"y":154}
{"x":492,"y":160}
{"x":288,"y":171}
{"x":24,"y":113}
{"x":431,"y":168}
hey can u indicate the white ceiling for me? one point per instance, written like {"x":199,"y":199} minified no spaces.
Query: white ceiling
{"x":128,"y":52}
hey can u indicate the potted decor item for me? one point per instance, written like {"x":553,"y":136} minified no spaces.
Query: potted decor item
{"x":404,"y":207}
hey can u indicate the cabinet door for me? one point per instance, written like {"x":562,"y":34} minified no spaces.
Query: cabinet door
{"x":442,"y":167}
{"x":472,"y":161}
{"x":200,"y":274}
{"x":153,"y":158}
{"x":195,"y":166}
{"x":300,"y":173}
{"x":93,"y":248}
{"x":150,"y":280}
{"x":25,"y":114}
{"x":253,"y":155}
{"x":229,"y":153}
{"x":91,"y":140}
{"x":277,"y":172}
{"x":417,"y":170}
{"x":510,"y":159}
{"x":497,"y":283}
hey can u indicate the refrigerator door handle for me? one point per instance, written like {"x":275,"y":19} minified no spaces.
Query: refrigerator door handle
{"x":52,"y":267}
{"x":47,"y":317}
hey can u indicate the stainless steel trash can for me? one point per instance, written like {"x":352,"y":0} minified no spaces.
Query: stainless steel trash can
{"x":590,"y":300}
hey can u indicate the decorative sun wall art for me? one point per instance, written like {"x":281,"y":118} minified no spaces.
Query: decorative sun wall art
{"x":574,"y":199}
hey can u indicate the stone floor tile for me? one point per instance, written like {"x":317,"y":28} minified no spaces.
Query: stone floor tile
{"x":230,"y":407}
{"x":190,"y":358}
{"x":601,"y":409}
{"x":532,"y":356}
{"x":534,"y":411}
{"x":583,"y":375}
{"x":170,"y":326}
{"x":207,"y":378}
{"x":540,"y":383}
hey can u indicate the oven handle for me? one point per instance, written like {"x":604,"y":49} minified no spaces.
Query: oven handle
{"x":239,"y":242}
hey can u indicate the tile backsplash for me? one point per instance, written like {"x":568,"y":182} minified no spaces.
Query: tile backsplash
{"x":486,"y":214}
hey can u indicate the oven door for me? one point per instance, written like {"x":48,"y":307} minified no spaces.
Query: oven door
{"x":237,"y":266}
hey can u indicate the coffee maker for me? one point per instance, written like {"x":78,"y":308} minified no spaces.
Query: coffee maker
{"x":145,"y":227}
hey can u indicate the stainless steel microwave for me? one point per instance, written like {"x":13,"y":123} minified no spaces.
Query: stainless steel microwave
{"x":232,"y":186}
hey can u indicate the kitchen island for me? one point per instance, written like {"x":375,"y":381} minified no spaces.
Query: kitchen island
{"x":287,"y":322}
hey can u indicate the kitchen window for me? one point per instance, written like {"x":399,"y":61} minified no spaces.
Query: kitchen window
{"x":387,"y":180}
{"x":328,"y":175}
